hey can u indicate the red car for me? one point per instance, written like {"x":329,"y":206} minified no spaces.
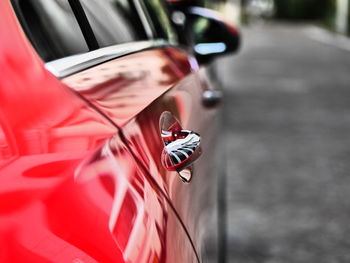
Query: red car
{"x":108,"y":128}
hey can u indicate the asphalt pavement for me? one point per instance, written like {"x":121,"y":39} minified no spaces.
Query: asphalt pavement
{"x":287,"y":122}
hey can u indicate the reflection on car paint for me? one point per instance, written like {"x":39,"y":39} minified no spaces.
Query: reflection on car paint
{"x":181,"y":147}
{"x":113,"y":87}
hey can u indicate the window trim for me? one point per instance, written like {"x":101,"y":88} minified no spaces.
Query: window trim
{"x":70,"y":65}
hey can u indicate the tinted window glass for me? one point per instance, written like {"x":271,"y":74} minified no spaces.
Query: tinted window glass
{"x":159,"y":18}
{"x":114,"y":21}
{"x":51,"y":27}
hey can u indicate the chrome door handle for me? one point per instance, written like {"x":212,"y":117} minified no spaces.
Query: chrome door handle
{"x":182,"y":148}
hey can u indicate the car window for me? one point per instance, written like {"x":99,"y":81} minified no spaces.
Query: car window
{"x":159,"y":19}
{"x":114,"y":21}
{"x":52,"y":28}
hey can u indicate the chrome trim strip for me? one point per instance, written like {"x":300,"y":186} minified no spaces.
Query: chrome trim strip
{"x":69,"y":65}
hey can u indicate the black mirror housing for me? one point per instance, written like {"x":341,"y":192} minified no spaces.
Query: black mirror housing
{"x":205,"y":32}
{"x":212,"y":36}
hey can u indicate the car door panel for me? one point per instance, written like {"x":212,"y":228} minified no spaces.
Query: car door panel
{"x":134,"y":93}
{"x":194,"y":201}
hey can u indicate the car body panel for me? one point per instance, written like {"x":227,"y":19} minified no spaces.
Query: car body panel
{"x":133,"y":92}
{"x":123,"y":87}
{"x":71,"y":190}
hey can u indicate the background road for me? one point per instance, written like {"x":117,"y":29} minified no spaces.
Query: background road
{"x":288,"y":146}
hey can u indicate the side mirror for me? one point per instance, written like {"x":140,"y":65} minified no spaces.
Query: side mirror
{"x":206,"y":33}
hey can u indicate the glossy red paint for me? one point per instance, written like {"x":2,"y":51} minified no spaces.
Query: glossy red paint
{"x":193,"y":201}
{"x":71,"y":190}
{"x":134,"y":93}
{"x":122,"y":88}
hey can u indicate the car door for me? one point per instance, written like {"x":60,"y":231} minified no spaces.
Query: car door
{"x":72,"y":190}
{"x":134,"y":90}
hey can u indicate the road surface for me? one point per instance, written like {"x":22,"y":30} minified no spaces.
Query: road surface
{"x":287,"y":119}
